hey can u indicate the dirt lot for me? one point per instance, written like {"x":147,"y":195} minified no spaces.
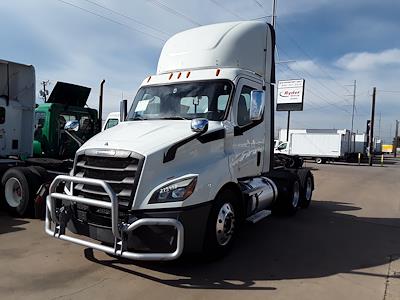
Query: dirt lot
{"x":345,"y":246}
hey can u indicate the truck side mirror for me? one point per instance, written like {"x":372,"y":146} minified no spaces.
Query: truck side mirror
{"x":257,"y":103}
{"x":199,"y":125}
{"x":72,"y":125}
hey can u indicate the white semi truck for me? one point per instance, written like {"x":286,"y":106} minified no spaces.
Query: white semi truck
{"x":192,"y":159}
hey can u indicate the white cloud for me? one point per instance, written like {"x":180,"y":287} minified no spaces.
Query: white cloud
{"x":307,"y":66}
{"x":369,"y":61}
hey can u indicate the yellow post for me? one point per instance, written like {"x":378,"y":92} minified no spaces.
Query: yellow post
{"x":381,"y":160}
{"x":359,"y":158}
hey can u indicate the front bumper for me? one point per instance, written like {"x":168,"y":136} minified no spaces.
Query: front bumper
{"x":57,"y":220}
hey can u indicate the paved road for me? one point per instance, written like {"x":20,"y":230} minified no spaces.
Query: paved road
{"x":345,"y":246}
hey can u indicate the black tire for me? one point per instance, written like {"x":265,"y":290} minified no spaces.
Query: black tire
{"x":214,"y":245}
{"x":40,"y":177}
{"x":288,"y":201}
{"x":307,"y":190}
{"x":23,"y":179}
{"x":319,"y":160}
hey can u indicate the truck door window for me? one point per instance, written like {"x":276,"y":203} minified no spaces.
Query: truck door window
{"x":2,"y":115}
{"x":85,"y":126}
{"x":243,"y":108}
{"x":282,"y":146}
{"x":63,"y":118}
{"x":111,"y":123}
{"x":40,"y":119}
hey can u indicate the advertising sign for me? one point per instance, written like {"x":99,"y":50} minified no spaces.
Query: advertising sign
{"x":290,"y":95}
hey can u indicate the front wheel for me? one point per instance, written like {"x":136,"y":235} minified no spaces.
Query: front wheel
{"x":222,"y":226}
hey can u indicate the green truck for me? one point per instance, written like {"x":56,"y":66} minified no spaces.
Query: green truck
{"x":66,"y":103}
{"x":34,"y":147}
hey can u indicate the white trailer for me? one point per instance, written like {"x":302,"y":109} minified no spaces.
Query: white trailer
{"x":17,"y":104}
{"x":191,"y":160}
{"x":319,"y":144}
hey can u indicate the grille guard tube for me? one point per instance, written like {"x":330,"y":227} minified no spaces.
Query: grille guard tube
{"x":117,"y":228}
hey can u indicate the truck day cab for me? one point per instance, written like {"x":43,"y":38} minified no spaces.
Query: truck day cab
{"x":191,"y":160}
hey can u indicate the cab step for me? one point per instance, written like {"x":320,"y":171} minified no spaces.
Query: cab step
{"x":262,"y":214}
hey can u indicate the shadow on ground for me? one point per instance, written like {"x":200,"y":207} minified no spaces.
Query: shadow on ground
{"x":10,"y":224}
{"x":321,"y":241}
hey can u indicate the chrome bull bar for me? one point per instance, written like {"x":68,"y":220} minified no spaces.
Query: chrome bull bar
{"x":119,"y":229}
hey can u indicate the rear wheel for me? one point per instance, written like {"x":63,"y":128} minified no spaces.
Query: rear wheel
{"x":289,"y":196}
{"x":307,"y":191}
{"x":19,"y":188}
{"x":222,"y":226}
{"x":318,"y":160}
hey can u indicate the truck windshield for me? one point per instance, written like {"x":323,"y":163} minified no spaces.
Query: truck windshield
{"x":190,"y":100}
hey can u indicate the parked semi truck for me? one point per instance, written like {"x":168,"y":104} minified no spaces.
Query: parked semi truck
{"x":193,"y":158}
{"x":34,"y":147}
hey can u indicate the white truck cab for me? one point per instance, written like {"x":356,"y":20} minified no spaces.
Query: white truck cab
{"x":111,"y":121}
{"x":193,"y":157}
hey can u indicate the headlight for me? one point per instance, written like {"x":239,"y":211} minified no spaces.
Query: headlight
{"x":175,"y":191}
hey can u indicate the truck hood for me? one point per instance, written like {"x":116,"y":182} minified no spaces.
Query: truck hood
{"x":69,"y":94}
{"x":144,"y":137}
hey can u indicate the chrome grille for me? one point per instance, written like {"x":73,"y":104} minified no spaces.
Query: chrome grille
{"x":121,"y":173}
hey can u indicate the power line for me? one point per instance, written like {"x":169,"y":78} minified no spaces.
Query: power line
{"x":392,"y":92}
{"x":110,"y":20}
{"x":317,"y":80}
{"x":313,"y":92}
{"x":127,"y":17}
{"x":173,"y":11}
{"x":227,"y":9}
{"x":317,"y":95}
{"x":308,"y":56}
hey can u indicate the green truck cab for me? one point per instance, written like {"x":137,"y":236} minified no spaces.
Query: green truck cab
{"x":67,"y":102}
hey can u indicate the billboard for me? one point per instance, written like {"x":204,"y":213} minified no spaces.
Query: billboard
{"x":290,"y":95}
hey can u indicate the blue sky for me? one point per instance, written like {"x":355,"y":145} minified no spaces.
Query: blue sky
{"x":330,"y":44}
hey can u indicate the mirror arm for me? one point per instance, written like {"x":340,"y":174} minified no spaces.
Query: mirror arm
{"x":75,"y":138}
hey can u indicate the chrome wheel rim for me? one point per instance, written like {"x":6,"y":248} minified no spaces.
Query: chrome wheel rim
{"x":13,"y":192}
{"x":308,"y":189}
{"x":225,"y":224}
{"x":296,"y":194}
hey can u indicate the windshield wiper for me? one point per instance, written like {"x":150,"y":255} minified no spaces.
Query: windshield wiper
{"x":138,"y":118}
{"x":173,"y":118}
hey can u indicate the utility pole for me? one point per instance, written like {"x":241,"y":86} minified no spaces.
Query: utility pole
{"x":379,"y":125}
{"x":396,"y":139}
{"x":273,"y":21}
{"x":352,"y":117}
{"x":371,"y":138}
{"x":44,"y":92}
{"x":352,"y":143}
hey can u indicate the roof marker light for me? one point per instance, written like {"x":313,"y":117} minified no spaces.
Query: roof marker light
{"x":149,"y":79}
{"x":170,"y":76}
{"x":188,"y":74}
{"x":179,"y":75}
{"x":217,"y":73}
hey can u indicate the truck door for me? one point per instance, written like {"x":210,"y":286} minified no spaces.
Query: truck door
{"x":249,"y":136}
